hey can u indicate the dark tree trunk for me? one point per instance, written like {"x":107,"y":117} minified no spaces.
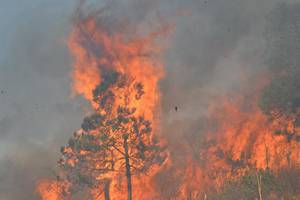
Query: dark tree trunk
{"x":128,"y":170}
{"x":106,"y":189}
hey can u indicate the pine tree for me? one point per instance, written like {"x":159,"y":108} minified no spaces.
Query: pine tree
{"x":114,"y":140}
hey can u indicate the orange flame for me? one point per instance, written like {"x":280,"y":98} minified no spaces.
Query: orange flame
{"x":138,"y":58}
{"x":49,"y":190}
{"x":238,"y":135}
{"x":96,"y":51}
{"x":238,"y":138}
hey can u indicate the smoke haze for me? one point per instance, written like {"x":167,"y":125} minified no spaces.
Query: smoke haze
{"x":216,"y":46}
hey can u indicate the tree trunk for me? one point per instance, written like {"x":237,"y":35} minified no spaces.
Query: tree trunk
{"x":106,"y":189}
{"x":128,"y":170}
{"x":259,"y":185}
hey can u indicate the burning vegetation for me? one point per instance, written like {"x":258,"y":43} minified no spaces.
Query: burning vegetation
{"x":115,"y":151}
{"x":250,"y":146}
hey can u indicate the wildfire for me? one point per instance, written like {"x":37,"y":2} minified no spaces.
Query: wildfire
{"x":238,"y":138}
{"x":118,"y":149}
{"x":50,"y":190}
{"x":95,"y":51}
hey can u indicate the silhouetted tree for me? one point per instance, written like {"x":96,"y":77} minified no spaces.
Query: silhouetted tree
{"x":114,"y":140}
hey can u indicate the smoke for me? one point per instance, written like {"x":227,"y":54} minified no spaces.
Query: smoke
{"x":37,"y":114}
{"x":216,"y":47}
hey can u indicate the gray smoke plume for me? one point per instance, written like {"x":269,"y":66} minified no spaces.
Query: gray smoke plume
{"x":216,"y":46}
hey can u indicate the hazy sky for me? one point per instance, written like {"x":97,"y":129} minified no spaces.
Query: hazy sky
{"x":36,"y":111}
{"x":34,"y":71}
{"x":212,"y":43}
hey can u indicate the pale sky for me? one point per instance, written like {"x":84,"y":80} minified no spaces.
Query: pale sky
{"x":211,"y":44}
{"x":35,"y":103}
